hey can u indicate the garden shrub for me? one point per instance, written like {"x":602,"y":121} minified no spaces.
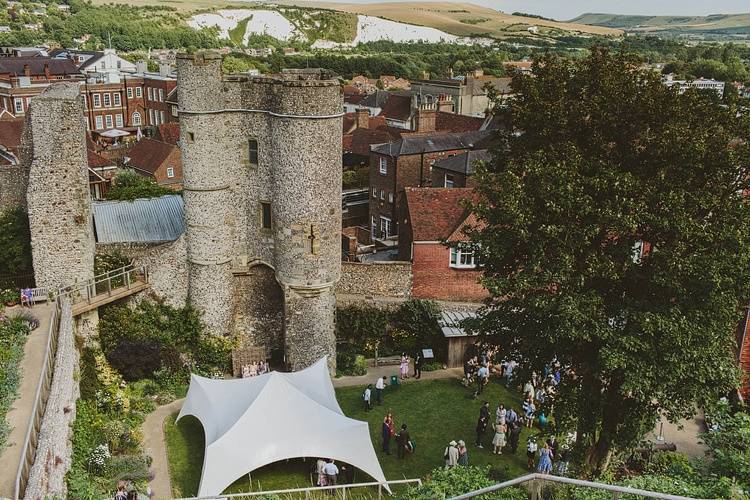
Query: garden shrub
{"x":442,"y":483}
{"x":670,"y":463}
{"x":104,"y":263}
{"x":416,"y":326}
{"x":140,"y":341}
{"x":363,"y":326}
{"x":348,"y":362}
{"x":15,"y":243}
{"x":13,"y":334}
{"x":432,"y":366}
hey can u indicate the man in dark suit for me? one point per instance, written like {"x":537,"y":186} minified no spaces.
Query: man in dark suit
{"x":402,"y":440}
{"x":386,"y":439}
{"x":418,"y":360}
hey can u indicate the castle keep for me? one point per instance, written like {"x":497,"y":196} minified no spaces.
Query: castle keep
{"x":262,"y":188}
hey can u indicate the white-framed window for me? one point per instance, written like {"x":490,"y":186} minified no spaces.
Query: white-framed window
{"x":385,"y":227}
{"x":170,"y":172}
{"x":116,"y":99}
{"x":108,"y":121}
{"x":18,"y":105}
{"x":107,"y":100}
{"x":161,"y":116}
{"x":462,"y":258}
{"x":136,"y":118}
{"x":390,"y":197}
{"x":382,"y":194}
{"x":174,"y":111}
{"x":138,"y":92}
{"x":151,"y":117}
{"x":150,"y":93}
{"x":449,"y":181}
{"x":383,"y":166}
{"x":97,"y":100}
{"x":375,"y":193}
{"x":98,"y":122}
{"x":373,"y":225}
{"x":118,"y":120}
{"x":161,"y":95}
{"x":130,"y":92}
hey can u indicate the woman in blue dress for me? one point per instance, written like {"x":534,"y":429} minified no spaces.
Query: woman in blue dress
{"x":545,"y":460}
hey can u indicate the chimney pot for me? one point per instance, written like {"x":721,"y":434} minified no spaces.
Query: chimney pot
{"x":363,"y":118}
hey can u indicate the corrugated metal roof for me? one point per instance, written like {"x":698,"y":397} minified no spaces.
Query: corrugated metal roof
{"x":146,"y":220}
{"x":450,"y":323}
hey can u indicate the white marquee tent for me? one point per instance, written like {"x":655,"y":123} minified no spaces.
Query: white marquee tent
{"x":256,"y":421}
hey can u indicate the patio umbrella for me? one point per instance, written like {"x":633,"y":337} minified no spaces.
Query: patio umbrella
{"x":113,"y":133}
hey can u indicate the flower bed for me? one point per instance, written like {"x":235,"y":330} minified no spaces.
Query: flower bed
{"x":13,"y":334}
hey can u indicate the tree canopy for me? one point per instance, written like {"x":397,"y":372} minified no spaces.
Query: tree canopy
{"x":603,"y":160}
{"x":129,"y":186}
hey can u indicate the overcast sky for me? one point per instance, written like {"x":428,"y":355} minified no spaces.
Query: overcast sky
{"x":568,"y":9}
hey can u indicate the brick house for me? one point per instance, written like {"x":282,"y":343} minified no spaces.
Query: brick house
{"x":431,"y":218}
{"x":458,"y":171}
{"x":156,"y":159}
{"x":22,"y":78}
{"x":408,"y":163}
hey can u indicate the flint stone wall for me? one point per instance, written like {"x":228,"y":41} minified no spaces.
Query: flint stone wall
{"x":55,"y":448}
{"x":376,"y":279}
{"x":12,"y":187}
{"x":166,"y":264}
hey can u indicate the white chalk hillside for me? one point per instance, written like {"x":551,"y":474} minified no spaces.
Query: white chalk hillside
{"x":262,"y":22}
{"x":369,"y":28}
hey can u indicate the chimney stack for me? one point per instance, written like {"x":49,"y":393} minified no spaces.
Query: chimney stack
{"x":47,"y":74}
{"x":26,"y":70}
{"x":363,"y":118}
{"x":426,"y":116}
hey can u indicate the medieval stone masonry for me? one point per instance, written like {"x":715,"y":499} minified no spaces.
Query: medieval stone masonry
{"x":262,"y":189}
{"x":53,"y":153}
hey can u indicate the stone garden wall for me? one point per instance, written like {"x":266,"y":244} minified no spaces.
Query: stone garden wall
{"x":375,"y":279}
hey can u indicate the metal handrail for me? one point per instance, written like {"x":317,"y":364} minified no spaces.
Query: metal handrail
{"x":536,"y":477}
{"x":343,"y":487}
{"x":88,"y":289}
{"x":28,"y":451}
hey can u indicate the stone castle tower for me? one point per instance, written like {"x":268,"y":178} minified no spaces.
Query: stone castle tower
{"x":53,"y":155}
{"x":262,"y":188}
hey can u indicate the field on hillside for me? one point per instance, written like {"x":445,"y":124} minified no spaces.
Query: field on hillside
{"x":461,"y":19}
{"x":719,"y":23}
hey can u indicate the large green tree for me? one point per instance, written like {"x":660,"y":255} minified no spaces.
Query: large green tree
{"x":600,"y":157}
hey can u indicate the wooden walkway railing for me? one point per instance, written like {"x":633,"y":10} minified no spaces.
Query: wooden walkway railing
{"x":40,"y":405}
{"x":105,"y":288}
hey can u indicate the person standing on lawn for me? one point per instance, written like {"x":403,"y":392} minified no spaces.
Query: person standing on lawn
{"x":482,"y":374}
{"x":498,"y":442}
{"x":531,"y":448}
{"x":500,"y":414}
{"x":515,"y":436}
{"x":379,"y":388}
{"x":367,"y":395}
{"x":331,"y":472}
{"x":545,"y":460}
{"x":418,"y":360}
{"x":463,"y":453}
{"x":484,"y":416}
{"x":403,"y":441}
{"x":451,"y":455}
{"x":511,"y":417}
{"x":387,"y":433}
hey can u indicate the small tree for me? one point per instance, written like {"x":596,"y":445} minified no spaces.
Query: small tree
{"x":617,"y":238}
{"x":15,"y":242}
{"x":129,"y":185}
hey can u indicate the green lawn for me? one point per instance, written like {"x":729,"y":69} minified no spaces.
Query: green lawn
{"x":436,"y":411}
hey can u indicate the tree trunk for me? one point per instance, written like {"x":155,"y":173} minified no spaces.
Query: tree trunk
{"x":599,"y":452}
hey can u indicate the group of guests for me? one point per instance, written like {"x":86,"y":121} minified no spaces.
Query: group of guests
{"x":328,"y":473}
{"x":126,"y":491}
{"x":255,"y":368}
{"x":456,"y":454}
{"x":551,"y":456}
{"x":507,"y":426}
{"x":404,"y":442}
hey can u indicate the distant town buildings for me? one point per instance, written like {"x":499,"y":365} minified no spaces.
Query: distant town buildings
{"x":699,"y":84}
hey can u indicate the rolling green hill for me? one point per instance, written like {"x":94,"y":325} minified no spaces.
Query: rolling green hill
{"x":732,"y":25}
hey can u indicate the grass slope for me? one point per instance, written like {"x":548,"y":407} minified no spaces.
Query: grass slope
{"x":718,"y":23}
{"x":436,"y":411}
{"x":447,"y":16}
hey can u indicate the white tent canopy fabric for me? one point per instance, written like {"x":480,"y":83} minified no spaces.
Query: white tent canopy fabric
{"x":252,"y":422}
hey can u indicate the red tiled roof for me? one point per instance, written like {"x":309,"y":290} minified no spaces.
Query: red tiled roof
{"x":450,"y":122}
{"x":397,"y":107}
{"x":148,"y":155}
{"x":10,"y":134}
{"x":459,"y":234}
{"x":16,"y":66}
{"x":97,"y":161}
{"x":361,"y":139}
{"x":168,"y":132}
{"x":435,"y":213}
